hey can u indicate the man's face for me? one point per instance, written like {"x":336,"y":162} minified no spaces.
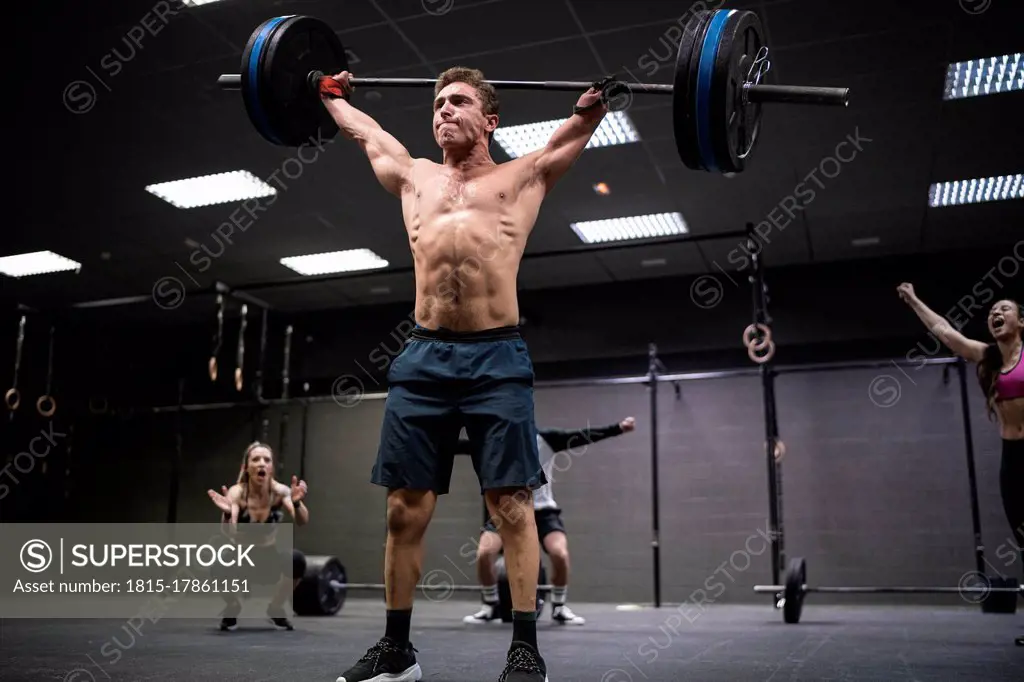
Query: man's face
{"x":459,"y":119}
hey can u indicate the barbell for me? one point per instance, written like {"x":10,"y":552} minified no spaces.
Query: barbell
{"x":717,"y":91}
{"x":324,"y":587}
{"x":794,"y":590}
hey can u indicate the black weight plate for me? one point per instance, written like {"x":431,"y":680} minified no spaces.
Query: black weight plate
{"x":299,"y":45}
{"x":284,"y":58}
{"x":796,"y":578}
{"x":683,"y":111}
{"x":1000,"y":602}
{"x":314,"y":595}
{"x":505,"y":590}
{"x":331,"y":599}
{"x":251,"y":78}
{"x":734,"y":126}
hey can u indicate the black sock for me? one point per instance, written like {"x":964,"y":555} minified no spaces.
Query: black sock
{"x":524,"y":627}
{"x":398,"y":625}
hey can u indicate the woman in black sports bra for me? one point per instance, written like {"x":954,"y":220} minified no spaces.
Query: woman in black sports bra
{"x":257,"y":497}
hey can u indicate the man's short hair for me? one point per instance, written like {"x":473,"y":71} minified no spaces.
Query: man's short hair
{"x":475,"y":79}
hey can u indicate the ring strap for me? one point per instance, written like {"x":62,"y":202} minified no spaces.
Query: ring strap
{"x":218,"y":338}
{"x":49,"y":364}
{"x":285,"y":376}
{"x":17,"y":351}
{"x":240,"y":355}
{"x":263,"y":357}
{"x":13,"y":396}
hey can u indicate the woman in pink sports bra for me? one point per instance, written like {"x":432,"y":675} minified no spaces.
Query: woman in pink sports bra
{"x":1001,"y":374}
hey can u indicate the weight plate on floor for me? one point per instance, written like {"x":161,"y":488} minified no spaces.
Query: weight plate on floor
{"x":796,"y":578}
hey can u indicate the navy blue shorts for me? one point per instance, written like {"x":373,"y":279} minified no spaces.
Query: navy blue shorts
{"x":444,"y":381}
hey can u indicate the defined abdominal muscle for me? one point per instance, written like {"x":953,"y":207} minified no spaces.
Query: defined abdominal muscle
{"x":466,"y":275}
{"x":1011,"y":418}
{"x":467,"y":236}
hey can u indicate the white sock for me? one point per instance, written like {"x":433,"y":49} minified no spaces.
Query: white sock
{"x":558,"y":595}
{"x":490,"y":593}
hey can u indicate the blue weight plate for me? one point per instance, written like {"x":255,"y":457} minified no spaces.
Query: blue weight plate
{"x":251,"y":77}
{"x":705,"y":73}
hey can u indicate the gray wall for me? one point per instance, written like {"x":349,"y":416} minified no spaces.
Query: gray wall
{"x":871,"y":494}
{"x":875,"y":482}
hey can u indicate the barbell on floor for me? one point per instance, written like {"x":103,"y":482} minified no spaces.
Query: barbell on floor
{"x":717,"y":91}
{"x":867,"y":589}
{"x":424,"y":588}
{"x":795,"y":588}
{"x":324,"y":587}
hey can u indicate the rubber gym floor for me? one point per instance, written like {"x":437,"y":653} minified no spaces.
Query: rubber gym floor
{"x":727,"y":643}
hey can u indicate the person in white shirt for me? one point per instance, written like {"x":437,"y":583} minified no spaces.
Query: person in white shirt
{"x":550,"y":529}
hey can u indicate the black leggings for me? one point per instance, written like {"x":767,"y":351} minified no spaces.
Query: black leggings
{"x":1011,"y":485}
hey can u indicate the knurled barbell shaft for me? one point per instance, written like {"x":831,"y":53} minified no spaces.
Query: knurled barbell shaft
{"x":890,"y":590}
{"x":762,"y":94}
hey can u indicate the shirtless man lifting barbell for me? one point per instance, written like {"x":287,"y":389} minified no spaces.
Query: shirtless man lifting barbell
{"x":468,"y":220}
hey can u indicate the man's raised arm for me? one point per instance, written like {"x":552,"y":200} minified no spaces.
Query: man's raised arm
{"x":571,"y":138}
{"x":563,"y":439}
{"x":390,"y":159}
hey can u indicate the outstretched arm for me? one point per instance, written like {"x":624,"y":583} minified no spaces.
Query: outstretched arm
{"x":227,"y":501}
{"x":571,"y":138}
{"x":968,"y":349}
{"x":561,"y":439}
{"x":291,"y":498}
{"x":390,"y":160}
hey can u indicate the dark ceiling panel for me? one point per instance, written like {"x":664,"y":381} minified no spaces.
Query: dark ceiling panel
{"x":853,"y":235}
{"x":377,"y":289}
{"x":375,"y":49}
{"x":514,"y":23}
{"x":975,"y":226}
{"x":669,"y":260}
{"x":806,"y":21}
{"x":439,"y":10}
{"x":562,"y":271}
{"x":83,"y":165}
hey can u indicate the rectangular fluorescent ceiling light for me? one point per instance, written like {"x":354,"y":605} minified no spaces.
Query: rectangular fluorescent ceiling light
{"x":352,"y":260}
{"x":212,"y":189}
{"x":866,"y":241}
{"x":985,"y":76}
{"x":196,"y":3}
{"x":616,"y":128}
{"x":976,"y":191}
{"x":630,"y":228}
{"x":36,"y":263}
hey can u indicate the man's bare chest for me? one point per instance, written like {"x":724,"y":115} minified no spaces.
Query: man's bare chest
{"x":449,"y":191}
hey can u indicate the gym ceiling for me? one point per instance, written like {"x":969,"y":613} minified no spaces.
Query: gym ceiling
{"x":158,"y":115}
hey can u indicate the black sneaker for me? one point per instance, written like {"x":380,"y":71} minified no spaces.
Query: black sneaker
{"x":385,"y":662}
{"x":279,"y":620}
{"x":524,"y":664}
{"x":1019,"y":641}
{"x":229,"y":620}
